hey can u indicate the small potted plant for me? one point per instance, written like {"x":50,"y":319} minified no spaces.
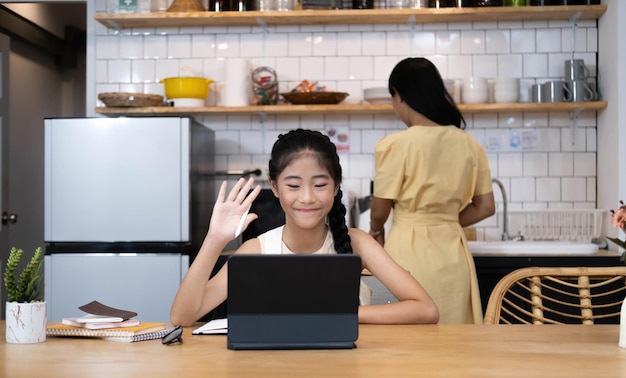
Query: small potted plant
{"x":25,"y":309}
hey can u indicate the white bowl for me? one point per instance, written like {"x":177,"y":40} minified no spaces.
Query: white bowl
{"x":378,"y":100}
{"x":505,"y":96}
{"x":474,"y":96}
{"x":377,"y":95}
{"x":506,"y":82}
{"x":376,"y":92}
{"x":449,"y":85}
{"x":475,"y":82}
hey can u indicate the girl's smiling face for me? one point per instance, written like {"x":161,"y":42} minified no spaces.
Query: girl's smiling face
{"x":306,"y":191}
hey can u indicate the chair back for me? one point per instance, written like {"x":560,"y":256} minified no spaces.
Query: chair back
{"x":559,"y":295}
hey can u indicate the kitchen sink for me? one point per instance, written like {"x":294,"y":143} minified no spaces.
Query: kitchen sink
{"x":532,"y":248}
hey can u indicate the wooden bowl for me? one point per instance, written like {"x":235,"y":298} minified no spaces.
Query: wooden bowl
{"x":305,"y":98}
{"x":129,"y":100}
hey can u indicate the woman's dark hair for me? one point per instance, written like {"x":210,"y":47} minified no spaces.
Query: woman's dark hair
{"x":420,"y":85}
{"x":299,"y":141}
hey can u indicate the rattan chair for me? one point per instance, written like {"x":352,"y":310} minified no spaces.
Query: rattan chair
{"x":541,"y":295}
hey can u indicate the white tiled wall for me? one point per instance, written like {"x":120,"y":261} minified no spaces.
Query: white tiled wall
{"x":559,"y":171}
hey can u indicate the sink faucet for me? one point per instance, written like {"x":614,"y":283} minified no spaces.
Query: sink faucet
{"x":505,"y":214}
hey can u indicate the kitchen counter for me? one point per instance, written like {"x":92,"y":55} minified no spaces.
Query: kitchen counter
{"x":533,"y":248}
{"x":601,"y":253}
{"x":490,"y":268}
{"x":493,"y":267}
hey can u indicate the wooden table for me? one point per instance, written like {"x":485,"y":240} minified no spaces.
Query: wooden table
{"x":383,"y":351}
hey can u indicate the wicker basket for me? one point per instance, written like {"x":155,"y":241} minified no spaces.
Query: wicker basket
{"x":126,"y":99}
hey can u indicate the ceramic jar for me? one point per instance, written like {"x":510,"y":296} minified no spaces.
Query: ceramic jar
{"x":506,"y":90}
{"x":474,"y":90}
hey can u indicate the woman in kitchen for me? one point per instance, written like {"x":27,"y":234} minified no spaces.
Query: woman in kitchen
{"x":437,"y":180}
{"x":305,"y":175}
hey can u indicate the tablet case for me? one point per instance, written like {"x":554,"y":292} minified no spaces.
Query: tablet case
{"x":293,"y":301}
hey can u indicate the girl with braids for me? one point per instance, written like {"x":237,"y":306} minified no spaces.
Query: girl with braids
{"x":305,"y":175}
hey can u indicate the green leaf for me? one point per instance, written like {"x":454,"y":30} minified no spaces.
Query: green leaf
{"x":620,"y":243}
{"x":9,"y":274}
{"x":28,"y":286}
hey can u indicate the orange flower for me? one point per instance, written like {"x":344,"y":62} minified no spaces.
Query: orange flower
{"x":618,"y":219}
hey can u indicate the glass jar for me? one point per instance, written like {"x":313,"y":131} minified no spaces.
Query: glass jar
{"x":450,"y":3}
{"x":487,"y":3}
{"x":417,"y":4}
{"x":514,"y":3}
{"x":264,"y":86}
{"x":362,"y":4}
{"x":397,"y":4}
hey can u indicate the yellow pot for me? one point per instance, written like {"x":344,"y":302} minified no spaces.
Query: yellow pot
{"x":186,"y":87}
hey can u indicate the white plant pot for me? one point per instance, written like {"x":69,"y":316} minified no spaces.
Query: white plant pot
{"x":622,"y":326}
{"x":25,"y":322}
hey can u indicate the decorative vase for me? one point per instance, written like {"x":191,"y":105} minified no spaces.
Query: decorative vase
{"x":622,"y":326}
{"x":25,"y":322}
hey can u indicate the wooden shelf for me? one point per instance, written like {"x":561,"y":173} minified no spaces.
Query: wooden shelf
{"x":349,"y":16}
{"x":349,"y":109}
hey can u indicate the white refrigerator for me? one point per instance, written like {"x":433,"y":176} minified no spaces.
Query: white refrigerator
{"x":127,"y":203}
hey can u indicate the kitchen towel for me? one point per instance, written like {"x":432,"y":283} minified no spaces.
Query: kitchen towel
{"x":237,"y":84}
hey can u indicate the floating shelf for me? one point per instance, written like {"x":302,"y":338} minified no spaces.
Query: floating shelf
{"x":349,"y":16}
{"x":344,"y":109}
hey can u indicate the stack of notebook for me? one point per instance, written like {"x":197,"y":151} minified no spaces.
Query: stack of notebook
{"x":107,"y":323}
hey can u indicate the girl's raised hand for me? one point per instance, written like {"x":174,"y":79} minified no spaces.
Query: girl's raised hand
{"x":229,"y":210}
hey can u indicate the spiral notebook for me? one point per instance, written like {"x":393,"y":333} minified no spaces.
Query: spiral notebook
{"x":144,"y":331}
{"x":142,"y":337}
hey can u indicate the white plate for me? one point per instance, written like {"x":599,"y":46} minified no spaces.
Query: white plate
{"x":378,"y":101}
